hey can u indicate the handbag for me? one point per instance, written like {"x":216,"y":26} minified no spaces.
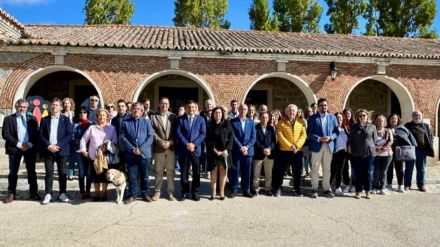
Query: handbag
{"x":405,"y":153}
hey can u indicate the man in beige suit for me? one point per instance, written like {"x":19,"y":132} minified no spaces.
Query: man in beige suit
{"x":163,"y":149}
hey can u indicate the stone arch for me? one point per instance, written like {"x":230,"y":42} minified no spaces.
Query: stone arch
{"x":24,"y":87}
{"x":297,"y":81}
{"x":183,"y":73}
{"x":406,"y":101}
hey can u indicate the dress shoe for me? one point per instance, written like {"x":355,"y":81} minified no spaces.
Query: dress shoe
{"x":269,"y":193}
{"x":212,"y":198}
{"x":422,"y":189}
{"x":233,"y":194}
{"x":156,"y":196}
{"x":35,"y":197}
{"x":248,"y":195}
{"x":184,"y":197}
{"x":222,"y":198}
{"x":9,"y":198}
{"x":195,"y":197}
{"x":147,"y":199}
{"x":171,"y":198}
{"x":407,"y":188}
{"x":129,"y":200}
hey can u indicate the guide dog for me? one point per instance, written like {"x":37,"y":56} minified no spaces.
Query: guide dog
{"x":119,"y":180}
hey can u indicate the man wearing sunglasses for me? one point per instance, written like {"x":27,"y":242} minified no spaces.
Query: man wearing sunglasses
{"x":93,"y":107}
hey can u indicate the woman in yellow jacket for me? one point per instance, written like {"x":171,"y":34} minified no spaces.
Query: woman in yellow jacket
{"x":291,"y":133}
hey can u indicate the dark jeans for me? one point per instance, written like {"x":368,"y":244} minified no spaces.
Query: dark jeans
{"x":62,"y":167}
{"x":282,"y":160}
{"x":84,"y":172}
{"x":420,"y":163}
{"x":185,"y":162}
{"x":345,"y":169}
{"x":398,"y":166}
{"x":14,"y":165}
{"x":138,"y":166}
{"x":243,"y":166}
{"x":337,"y":167}
{"x":363,"y":168}
{"x":72,"y":160}
{"x":381,"y":164}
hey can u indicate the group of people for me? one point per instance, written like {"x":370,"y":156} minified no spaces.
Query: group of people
{"x":244,"y":142}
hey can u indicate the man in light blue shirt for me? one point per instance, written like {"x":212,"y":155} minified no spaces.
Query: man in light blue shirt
{"x":21,"y":134}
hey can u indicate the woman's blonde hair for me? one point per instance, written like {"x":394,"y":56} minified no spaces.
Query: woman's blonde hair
{"x":72,"y":103}
{"x":381,"y":117}
{"x":102,"y":110}
{"x":364,"y":111}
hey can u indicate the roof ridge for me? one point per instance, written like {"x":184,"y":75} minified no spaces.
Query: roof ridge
{"x":11,"y":19}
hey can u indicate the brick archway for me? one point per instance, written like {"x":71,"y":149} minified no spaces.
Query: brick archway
{"x":297,"y":81}
{"x":183,"y":73}
{"x":406,"y":101}
{"x":26,"y":84}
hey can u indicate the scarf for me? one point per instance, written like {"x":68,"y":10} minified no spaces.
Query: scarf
{"x":84,"y":123}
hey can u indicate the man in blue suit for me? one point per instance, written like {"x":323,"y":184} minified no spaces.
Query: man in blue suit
{"x":190,"y":133}
{"x":243,"y":151}
{"x":136,"y":139}
{"x":322,"y":130}
{"x":55,"y":136}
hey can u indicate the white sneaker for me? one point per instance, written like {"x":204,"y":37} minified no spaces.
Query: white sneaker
{"x":47,"y":199}
{"x":401,"y":189}
{"x":63,"y":197}
{"x":346,"y":189}
{"x":339,"y":192}
{"x":382,"y":192}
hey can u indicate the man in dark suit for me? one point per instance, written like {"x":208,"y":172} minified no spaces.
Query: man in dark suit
{"x":266,"y":139}
{"x":55,"y":136}
{"x":243,"y":151}
{"x":423,"y":136}
{"x":117,"y":122}
{"x":163,"y":149}
{"x":21,"y":135}
{"x":136,"y":139}
{"x":190,"y":133}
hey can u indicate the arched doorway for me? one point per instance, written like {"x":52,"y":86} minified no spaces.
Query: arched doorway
{"x":58,"y":81}
{"x":278,"y":89}
{"x":178,"y":86}
{"x":63,"y":84}
{"x":381,"y":95}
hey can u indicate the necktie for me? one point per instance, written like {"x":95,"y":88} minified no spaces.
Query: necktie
{"x":23,"y":120}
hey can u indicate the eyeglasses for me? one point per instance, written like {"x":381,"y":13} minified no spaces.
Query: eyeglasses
{"x":94,"y":100}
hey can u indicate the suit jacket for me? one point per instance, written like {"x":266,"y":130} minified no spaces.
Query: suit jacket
{"x":185,"y":135}
{"x":246,"y":138}
{"x":115,"y":122}
{"x":362,"y":140}
{"x":427,"y":135}
{"x":142,"y":138}
{"x":10,"y":134}
{"x":64,"y":135}
{"x":162,"y":133}
{"x":264,"y":141}
{"x":314,"y":131}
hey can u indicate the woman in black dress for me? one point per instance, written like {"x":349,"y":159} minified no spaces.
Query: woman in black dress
{"x":219,"y":143}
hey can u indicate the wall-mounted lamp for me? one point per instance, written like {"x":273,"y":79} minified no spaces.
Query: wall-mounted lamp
{"x":333,"y":70}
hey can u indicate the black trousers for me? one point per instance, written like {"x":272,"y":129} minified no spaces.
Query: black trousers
{"x":185,"y":162}
{"x":14,"y":165}
{"x":61,"y":161}
{"x":398,"y":166}
{"x":345,"y":172}
{"x":337,"y":167}
{"x":282,"y":160}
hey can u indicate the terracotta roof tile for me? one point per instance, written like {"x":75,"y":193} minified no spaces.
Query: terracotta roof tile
{"x":192,"y":39}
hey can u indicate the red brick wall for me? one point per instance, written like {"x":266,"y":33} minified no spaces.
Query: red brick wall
{"x":120,"y":76}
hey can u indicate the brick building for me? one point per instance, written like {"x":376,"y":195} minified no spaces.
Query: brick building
{"x":135,"y":62}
